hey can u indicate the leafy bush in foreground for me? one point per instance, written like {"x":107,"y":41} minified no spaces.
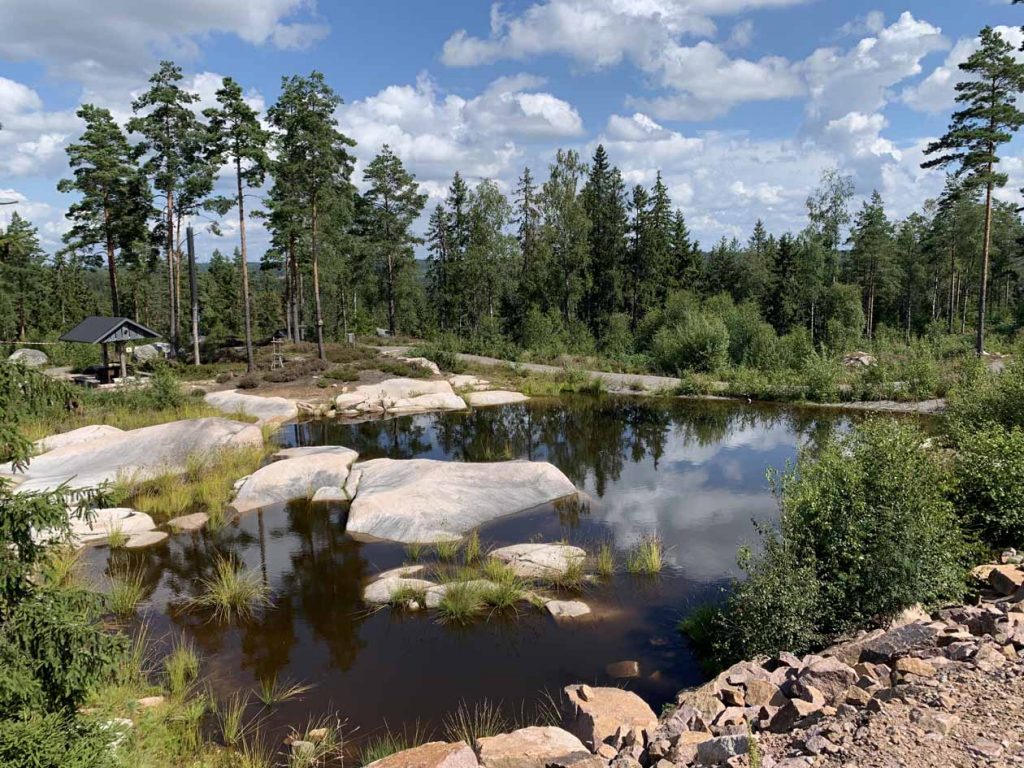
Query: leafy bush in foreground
{"x":990,"y":485}
{"x":866,"y":530}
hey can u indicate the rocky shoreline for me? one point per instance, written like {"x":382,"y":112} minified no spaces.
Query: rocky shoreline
{"x":945,"y":689}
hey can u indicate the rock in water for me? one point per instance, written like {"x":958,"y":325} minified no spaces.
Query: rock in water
{"x":531,"y":561}
{"x":145,"y":539}
{"x":567,"y":609}
{"x":424,"y":501}
{"x":380,"y":592}
{"x":594,"y":715}
{"x":401,"y":396}
{"x":266,"y":409}
{"x":495,"y":397}
{"x":435,"y":754}
{"x":138,"y":454}
{"x":298,"y":478}
{"x":192,"y":522}
{"x":30,"y":358}
{"x":534,"y":747}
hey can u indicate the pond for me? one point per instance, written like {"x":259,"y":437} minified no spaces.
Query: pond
{"x":691,"y":472}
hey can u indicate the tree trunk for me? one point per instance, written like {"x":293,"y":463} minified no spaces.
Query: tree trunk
{"x":952,"y":285}
{"x":115,"y":307}
{"x":392,"y":320}
{"x":293,"y":266}
{"x":316,"y":285}
{"x":172,"y":306}
{"x":979,"y":344}
{"x":250,"y":362}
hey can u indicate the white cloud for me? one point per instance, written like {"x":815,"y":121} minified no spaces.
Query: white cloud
{"x":937,"y":92}
{"x":114,"y":42}
{"x":31,"y":139}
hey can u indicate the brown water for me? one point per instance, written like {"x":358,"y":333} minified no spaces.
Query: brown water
{"x":692,"y":473}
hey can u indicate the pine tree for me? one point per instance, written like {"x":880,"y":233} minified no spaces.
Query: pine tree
{"x":391,"y":204}
{"x":171,"y":141}
{"x":660,"y":239}
{"x":114,"y":202}
{"x":314,"y":160}
{"x":238,"y":138}
{"x":439,"y":266}
{"x":604,"y":200}
{"x":566,"y":231}
{"x":988,"y":119}
{"x":22,"y":275}
{"x":684,"y":255}
{"x":639,"y":266}
{"x":871,"y":255}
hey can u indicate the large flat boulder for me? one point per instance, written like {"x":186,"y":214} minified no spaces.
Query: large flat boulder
{"x":533,"y":747}
{"x":30,"y":358}
{"x":532,"y":561}
{"x":594,"y":715}
{"x":424,"y":501}
{"x":424,"y":403}
{"x":76,"y":437}
{"x":298,"y":478}
{"x":98,"y":524}
{"x":435,"y":754}
{"x":494,"y":397}
{"x":138,"y":454}
{"x":401,"y":396}
{"x":380,"y":591}
{"x":267,"y":410}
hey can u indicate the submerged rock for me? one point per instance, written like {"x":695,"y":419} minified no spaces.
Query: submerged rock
{"x":494,"y":397}
{"x":567,"y":609}
{"x":265,"y":409}
{"x":425,"y":501}
{"x":435,"y":754}
{"x":138,"y":454}
{"x":297,"y":478}
{"x":530,"y":561}
{"x":381,"y":591}
{"x":534,"y":747}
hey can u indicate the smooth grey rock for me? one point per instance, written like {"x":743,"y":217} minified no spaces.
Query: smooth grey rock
{"x":595,"y":715}
{"x":145,"y":539}
{"x":567,"y":609}
{"x":898,"y":642}
{"x":530,"y":561}
{"x":434,"y":754}
{"x":192,"y":522}
{"x":379,"y":592}
{"x":158,"y":350}
{"x":30,"y":358}
{"x":329,"y":494}
{"x":718,"y":750}
{"x":494,"y":397}
{"x":138,"y":454}
{"x":425,"y":501}
{"x":100,"y":523}
{"x":267,"y":410}
{"x":423,"y":403}
{"x":400,"y":572}
{"x":401,"y":396}
{"x":76,"y":437}
{"x":290,"y":479}
{"x":534,"y":747}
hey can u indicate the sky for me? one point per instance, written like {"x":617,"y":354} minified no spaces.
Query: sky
{"x":741,"y":104}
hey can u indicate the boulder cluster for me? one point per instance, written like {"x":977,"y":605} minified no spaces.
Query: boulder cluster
{"x":875,"y":699}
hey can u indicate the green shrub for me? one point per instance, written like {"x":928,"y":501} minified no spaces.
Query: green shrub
{"x":821,"y":374}
{"x":794,"y":347}
{"x":164,"y":388}
{"x":990,"y":485}
{"x":55,"y":741}
{"x":249,"y":381}
{"x":866,"y":530}
{"x":617,"y":341}
{"x":981,"y":398}
{"x":700,"y":343}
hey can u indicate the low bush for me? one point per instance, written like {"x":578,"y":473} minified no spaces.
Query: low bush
{"x":866,"y":529}
{"x":990,"y":485}
{"x":699,"y":343}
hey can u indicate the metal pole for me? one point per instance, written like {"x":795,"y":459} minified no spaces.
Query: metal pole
{"x":194,"y":290}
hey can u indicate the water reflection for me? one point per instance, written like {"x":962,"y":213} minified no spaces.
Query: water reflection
{"x":694,"y":473}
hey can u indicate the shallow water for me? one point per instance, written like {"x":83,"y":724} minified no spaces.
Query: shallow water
{"x":691,"y":472}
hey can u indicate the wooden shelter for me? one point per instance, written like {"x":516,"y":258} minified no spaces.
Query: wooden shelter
{"x":109,"y":330}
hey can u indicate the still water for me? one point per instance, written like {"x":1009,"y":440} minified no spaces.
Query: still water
{"x":694,"y":473}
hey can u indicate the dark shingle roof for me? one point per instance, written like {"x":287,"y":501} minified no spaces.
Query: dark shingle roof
{"x":102,"y":330}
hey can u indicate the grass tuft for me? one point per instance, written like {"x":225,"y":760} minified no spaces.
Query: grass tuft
{"x":231,"y":721}
{"x":471,"y":550}
{"x":646,"y":556}
{"x":414,"y":551}
{"x":182,"y":668}
{"x":232,"y":592}
{"x":62,"y":567}
{"x":116,"y":538}
{"x":447,"y":550}
{"x":467,"y":724}
{"x":460,"y":604}
{"x":390,"y":742}
{"x":126,"y":592}
{"x":604,"y":560}
{"x":272,"y":692}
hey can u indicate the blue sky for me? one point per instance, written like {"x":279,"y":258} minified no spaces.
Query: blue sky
{"x":740,"y":103}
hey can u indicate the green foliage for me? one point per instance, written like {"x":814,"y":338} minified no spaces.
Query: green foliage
{"x":866,"y":530}
{"x":55,"y":740}
{"x":699,"y":343}
{"x":990,"y":485}
{"x":232,"y":592}
{"x":821,"y":373}
{"x":467,"y":724}
{"x":980,"y":399}
{"x":646,"y":556}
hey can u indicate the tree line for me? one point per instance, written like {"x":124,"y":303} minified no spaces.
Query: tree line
{"x":577,"y":262}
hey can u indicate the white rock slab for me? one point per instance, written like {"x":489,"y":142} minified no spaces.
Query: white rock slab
{"x":422,"y":403}
{"x":494,"y":397}
{"x":567,"y":609}
{"x":403,"y":393}
{"x":145,"y":539}
{"x":466,"y":381}
{"x":267,"y":410}
{"x":422,"y":362}
{"x":531,"y":561}
{"x":289,"y":479}
{"x":329,"y":494}
{"x":192,"y":522}
{"x":76,"y":437}
{"x":138,"y":454}
{"x":401,"y":572}
{"x":100,"y":523}
{"x":424,"y":501}
{"x":533,"y":747}
{"x":309,"y":450}
{"x":380,"y":591}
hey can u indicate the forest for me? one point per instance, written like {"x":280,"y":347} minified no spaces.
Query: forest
{"x":571,"y":262}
